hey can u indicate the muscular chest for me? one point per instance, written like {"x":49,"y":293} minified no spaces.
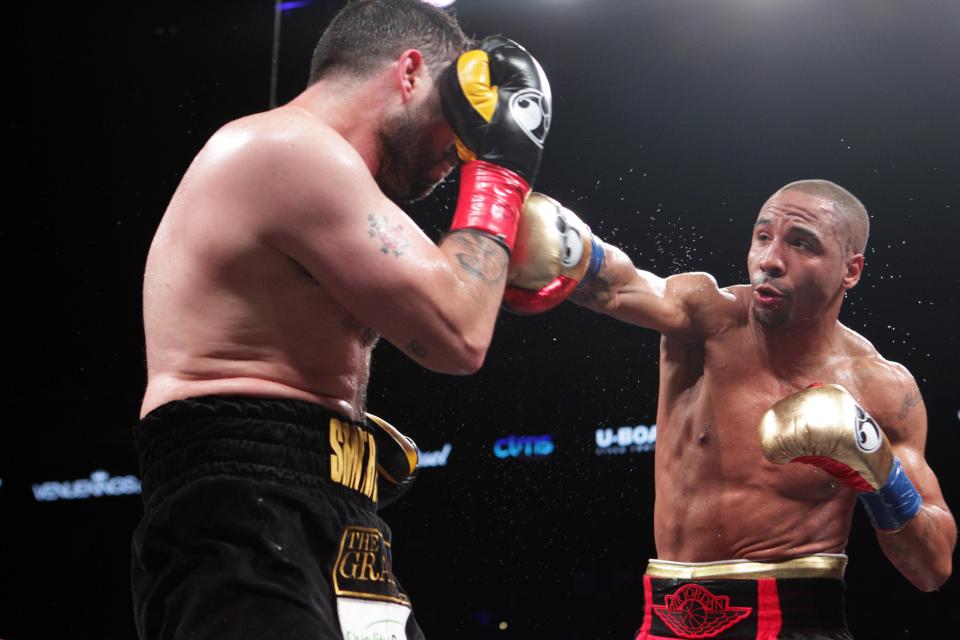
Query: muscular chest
{"x":710,"y":429}
{"x":740,"y":384}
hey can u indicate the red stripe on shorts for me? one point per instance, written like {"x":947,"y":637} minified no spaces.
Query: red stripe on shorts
{"x":647,"y":609}
{"x":769,"y":617}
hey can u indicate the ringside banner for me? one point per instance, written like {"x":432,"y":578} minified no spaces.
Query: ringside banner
{"x":627,"y":439}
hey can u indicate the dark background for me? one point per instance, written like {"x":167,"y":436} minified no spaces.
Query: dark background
{"x":673,"y":121}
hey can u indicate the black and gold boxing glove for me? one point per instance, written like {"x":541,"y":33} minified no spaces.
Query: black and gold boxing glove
{"x":497,"y":101}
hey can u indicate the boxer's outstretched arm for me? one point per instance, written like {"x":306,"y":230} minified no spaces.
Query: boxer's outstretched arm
{"x":683,"y":303}
{"x":922,"y":550}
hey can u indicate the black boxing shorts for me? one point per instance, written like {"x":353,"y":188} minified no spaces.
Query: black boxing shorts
{"x":798,"y":599}
{"x":259,"y":522}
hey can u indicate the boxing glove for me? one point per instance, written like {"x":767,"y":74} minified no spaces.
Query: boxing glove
{"x":824,"y":426}
{"x":555,"y":253}
{"x":497,"y":100}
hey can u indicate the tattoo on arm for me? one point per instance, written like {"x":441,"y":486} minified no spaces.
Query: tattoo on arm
{"x":390,"y":236}
{"x":417,"y":349}
{"x":910,"y":400}
{"x":587,"y":295}
{"x":596,"y":293}
{"x":480,"y":256}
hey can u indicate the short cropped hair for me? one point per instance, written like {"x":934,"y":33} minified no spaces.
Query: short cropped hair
{"x":852,"y":218}
{"x":368,"y":34}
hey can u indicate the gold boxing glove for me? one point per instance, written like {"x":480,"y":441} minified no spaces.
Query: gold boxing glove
{"x":555,"y":252}
{"x":824,"y":426}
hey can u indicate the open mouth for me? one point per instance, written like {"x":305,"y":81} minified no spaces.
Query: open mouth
{"x":767,"y":295}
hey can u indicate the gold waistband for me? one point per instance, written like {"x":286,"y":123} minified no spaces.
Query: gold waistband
{"x":822,"y":565}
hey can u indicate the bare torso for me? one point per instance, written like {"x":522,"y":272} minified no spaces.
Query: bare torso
{"x":225,"y":313}
{"x":717,"y":496}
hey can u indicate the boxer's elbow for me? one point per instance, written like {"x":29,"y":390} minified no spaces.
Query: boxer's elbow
{"x":929,"y":567}
{"x":467,"y":338}
{"x":939,"y":567}
{"x":460,"y":354}
{"x":934,"y":578}
{"x":468,"y":357}
{"x":937,"y":575}
{"x":940,"y":577}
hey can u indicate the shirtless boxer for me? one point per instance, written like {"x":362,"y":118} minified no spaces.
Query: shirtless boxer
{"x":277,"y":264}
{"x":749,"y":547}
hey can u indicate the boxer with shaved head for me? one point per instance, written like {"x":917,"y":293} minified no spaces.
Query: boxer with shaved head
{"x":773,"y":419}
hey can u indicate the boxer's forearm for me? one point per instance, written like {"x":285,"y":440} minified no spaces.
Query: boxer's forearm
{"x":467,"y":302}
{"x":601,"y":294}
{"x":922,"y":551}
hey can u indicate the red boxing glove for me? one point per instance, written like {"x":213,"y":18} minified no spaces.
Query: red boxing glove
{"x":490,"y":201}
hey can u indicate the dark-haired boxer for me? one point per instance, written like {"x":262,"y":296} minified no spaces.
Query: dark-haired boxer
{"x":749,"y":546}
{"x":280,"y":260}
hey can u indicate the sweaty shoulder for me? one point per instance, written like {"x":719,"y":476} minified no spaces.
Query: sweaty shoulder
{"x":281,"y":160}
{"x":885,"y":388}
{"x":284,"y":130}
{"x":711,"y":310}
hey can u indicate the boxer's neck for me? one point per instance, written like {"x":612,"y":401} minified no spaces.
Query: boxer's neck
{"x":801,"y":345}
{"x":353,"y":108}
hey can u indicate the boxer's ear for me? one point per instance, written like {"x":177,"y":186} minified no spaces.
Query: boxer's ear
{"x":409,"y":69}
{"x":854,"y":269}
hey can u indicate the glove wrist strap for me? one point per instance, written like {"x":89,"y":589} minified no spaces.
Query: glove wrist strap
{"x":891,"y":506}
{"x":596,"y":262}
{"x":490,"y":201}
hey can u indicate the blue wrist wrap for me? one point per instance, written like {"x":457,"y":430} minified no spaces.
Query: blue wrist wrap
{"x":893,"y":504}
{"x":596,"y":261}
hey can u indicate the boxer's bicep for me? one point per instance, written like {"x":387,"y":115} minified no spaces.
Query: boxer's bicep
{"x":922,"y":550}
{"x":649,"y":301}
{"x":903,"y":417}
{"x":683,"y":304}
